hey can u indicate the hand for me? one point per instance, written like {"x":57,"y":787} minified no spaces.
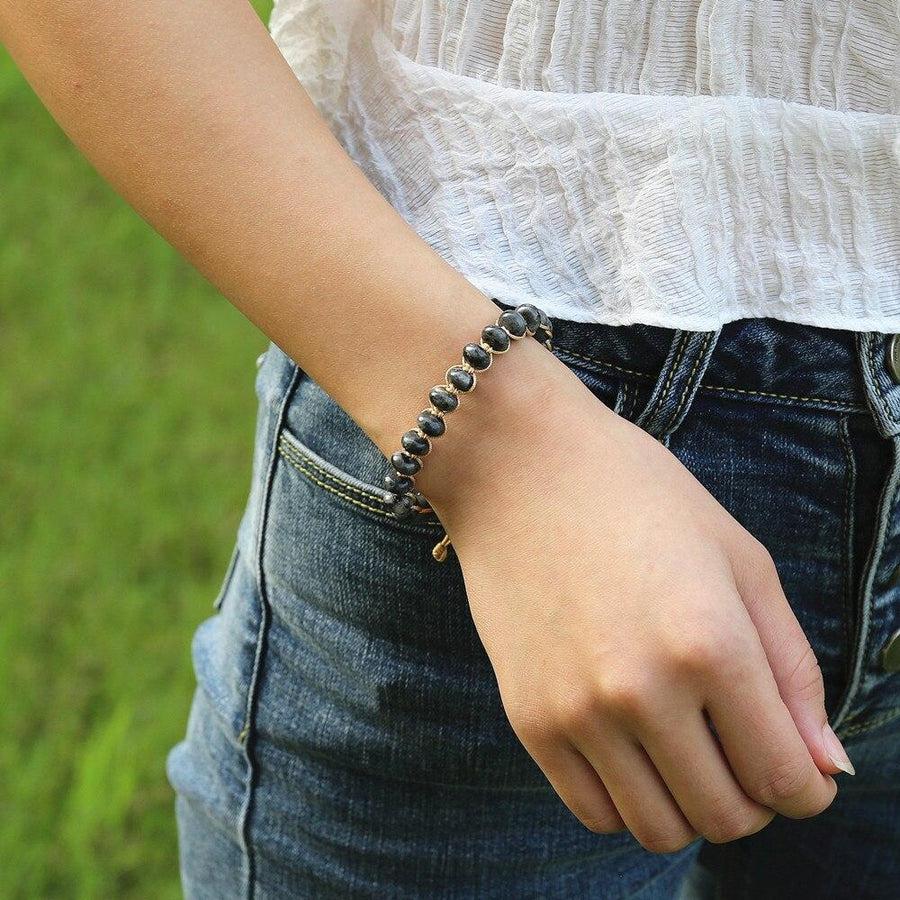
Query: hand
{"x":624,"y":611}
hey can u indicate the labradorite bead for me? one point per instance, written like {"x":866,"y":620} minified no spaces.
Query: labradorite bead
{"x":513,"y":322}
{"x":476,"y":356}
{"x":405,"y":464}
{"x":432,"y":425}
{"x":461,"y":379}
{"x":542,"y":336}
{"x":413,"y":442}
{"x":545,"y":321}
{"x":496,"y":338}
{"x":402,"y":507}
{"x":398,"y":484}
{"x":532,"y":316}
{"x":442,"y":399}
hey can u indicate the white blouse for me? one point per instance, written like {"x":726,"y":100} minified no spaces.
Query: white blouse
{"x":680,"y":163}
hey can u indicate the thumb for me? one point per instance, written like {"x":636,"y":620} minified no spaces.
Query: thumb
{"x":793,"y":663}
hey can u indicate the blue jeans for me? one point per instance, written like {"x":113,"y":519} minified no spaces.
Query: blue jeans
{"x":347,"y":738}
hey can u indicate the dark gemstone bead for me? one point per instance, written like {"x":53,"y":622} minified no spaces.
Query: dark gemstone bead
{"x":461,"y":379}
{"x":476,"y":356}
{"x":513,"y":322}
{"x":403,"y":507}
{"x":442,"y":399}
{"x":398,"y":484}
{"x":432,"y":425}
{"x":542,"y":337}
{"x":496,"y":338}
{"x":405,"y":464}
{"x":413,"y":442}
{"x":532,"y":316}
{"x":421,"y":500}
{"x":545,"y":321}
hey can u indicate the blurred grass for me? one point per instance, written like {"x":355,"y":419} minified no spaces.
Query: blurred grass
{"x":126,"y":418}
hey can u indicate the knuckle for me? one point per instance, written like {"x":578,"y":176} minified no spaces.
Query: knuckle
{"x":530,"y":723}
{"x":734,"y":823}
{"x":627,"y":696}
{"x":578,"y":715}
{"x":816,"y":804}
{"x":665,"y":840}
{"x":760,"y":558}
{"x":805,"y":679}
{"x":703,"y":650}
{"x":783,"y":782}
{"x":601,"y":824}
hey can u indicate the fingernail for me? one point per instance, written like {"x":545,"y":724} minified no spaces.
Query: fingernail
{"x":836,"y":752}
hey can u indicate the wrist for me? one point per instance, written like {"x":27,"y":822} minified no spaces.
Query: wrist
{"x":502,"y":433}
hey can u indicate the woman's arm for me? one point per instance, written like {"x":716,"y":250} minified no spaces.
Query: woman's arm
{"x":192,"y":114}
{"x":605,"y":664}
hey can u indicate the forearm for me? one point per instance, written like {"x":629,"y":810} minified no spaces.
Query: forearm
{"x":192,"y":114}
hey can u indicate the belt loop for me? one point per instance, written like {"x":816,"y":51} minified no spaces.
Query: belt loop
{"x":679,"y":378}
{"x":882,"y":393}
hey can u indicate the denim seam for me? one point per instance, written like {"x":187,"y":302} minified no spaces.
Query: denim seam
{"x":291,"y":452}
{"x":261,"y":636}
{"x":299,"y":465}
{"x":601,"y":362}
{"x":885,"y":405}
{"x":886,"y":500}
{"x":868,"y":725}
{"x":621,"y":400}
{"x":848,"y":533}
{"x":890,"y":501}
{"x":656,"y":403}
{"x":673,"y":420}
{"x":330,"y":470}
{"x":841,"y":405}
{"x":632,"y":399}
{"x":229,"y":574}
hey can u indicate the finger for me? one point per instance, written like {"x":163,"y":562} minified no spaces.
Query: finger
{"x":792,"y":661}
{"x":691,"y":762}
{"x":636,"y":788}
{"x":768,"y":756}
{"x":580,"y":788}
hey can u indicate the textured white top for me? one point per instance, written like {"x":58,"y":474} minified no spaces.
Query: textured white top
{"x":675,"y":162}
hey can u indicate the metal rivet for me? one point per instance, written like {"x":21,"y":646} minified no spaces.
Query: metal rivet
{"x":893,"y":357}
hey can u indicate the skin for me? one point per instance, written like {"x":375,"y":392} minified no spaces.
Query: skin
{"x":649,"y":613}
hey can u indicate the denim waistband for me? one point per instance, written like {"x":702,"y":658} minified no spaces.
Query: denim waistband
{"x":766,"y":359}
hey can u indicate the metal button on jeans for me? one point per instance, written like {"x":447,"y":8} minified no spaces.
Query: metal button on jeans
{"x":893,"y":357}
{"x":890,"y":656}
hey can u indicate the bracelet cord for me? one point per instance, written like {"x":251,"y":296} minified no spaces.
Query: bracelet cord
{"x":511,"y":325}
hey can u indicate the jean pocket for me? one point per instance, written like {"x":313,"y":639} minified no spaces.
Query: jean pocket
{"x":321,"y":445}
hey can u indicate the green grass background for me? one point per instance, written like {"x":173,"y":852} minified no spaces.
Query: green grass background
{"x":126,"y":418}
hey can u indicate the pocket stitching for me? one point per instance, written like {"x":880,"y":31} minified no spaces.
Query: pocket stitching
{"x":338,"y":488}
{"x":300,"y":466}
{"x":673,"y":421}
{"x":289,"y":446}
{"x":605,"y":367}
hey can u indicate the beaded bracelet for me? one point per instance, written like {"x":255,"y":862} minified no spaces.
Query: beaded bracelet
{"x":511,"y":325}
